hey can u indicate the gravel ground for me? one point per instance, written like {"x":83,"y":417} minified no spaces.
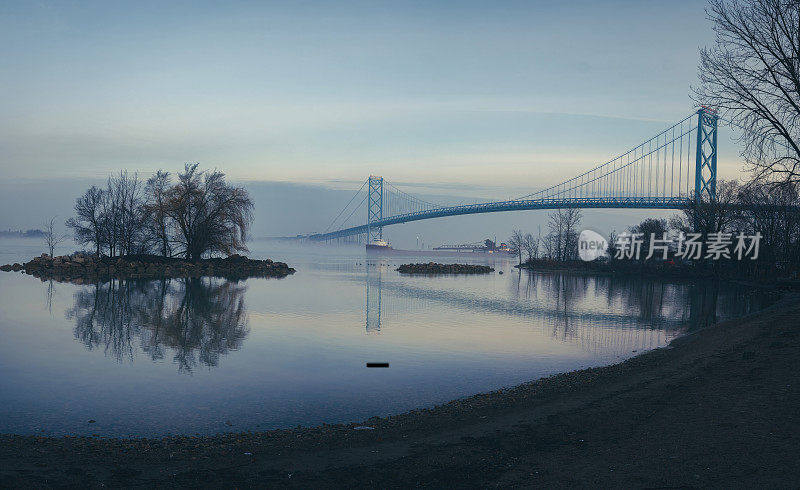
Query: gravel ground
{"x":718,"y":408}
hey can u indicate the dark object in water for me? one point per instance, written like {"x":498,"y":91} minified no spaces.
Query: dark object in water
{"x":377,"y":364}
{"x":434,"y":268}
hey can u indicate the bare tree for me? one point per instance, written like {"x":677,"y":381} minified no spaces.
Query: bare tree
{"x":531,"y":246}
{"x":156,"y":211}
{"x":126,"y":212}
{"x":771,"y":211}
{"x":556,"y":235}
{"x":650,"y":228}
{"x":516,"y":243}
{"x":563,"y":237}
{"x":752,"y":75}
{"x":210,"y":215}
{"x":572,"y":219}
{"x":550,"y":244}
{"x":111,"y":219}
{"x":88,"y":225}
{"x":710,"y":216}
{"x":612,"y":244}
{"x":199,"y":215}
{"x":51,"y":237}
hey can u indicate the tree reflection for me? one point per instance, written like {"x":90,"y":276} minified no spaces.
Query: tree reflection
{"x":48,"y":296}
{"x":195,"y":320}
{"x":643,"y":300}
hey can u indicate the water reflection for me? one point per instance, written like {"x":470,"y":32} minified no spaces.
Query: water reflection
{"x":307,"y":338}
{"x":48,"y":296}
{"x":599,"y":313}
{"x":194,"y":320}
{"x":374,"y":299}
{"x":644,"y":301}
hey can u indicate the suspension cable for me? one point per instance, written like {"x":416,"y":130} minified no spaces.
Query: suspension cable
{"x":606,"y":164}
{"x":345,"y":208}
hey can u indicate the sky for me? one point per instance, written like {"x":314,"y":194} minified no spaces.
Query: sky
{"x":482,"y":98}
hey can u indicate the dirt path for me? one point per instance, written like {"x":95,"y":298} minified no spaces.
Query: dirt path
{"x":718,"y":408}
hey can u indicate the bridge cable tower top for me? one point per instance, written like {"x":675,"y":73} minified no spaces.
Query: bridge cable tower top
{"x":705,"y":181}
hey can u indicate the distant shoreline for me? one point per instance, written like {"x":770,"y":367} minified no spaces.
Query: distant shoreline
{"x":28,"y":235}
{"x":657,"y":271}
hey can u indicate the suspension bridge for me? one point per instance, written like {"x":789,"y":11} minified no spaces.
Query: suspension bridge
{"x":672,"y":169}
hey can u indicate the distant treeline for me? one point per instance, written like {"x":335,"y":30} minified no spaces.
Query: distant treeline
{"x":768,"y":210}
{"x":37,"y":233}
{"x":196,"y":215}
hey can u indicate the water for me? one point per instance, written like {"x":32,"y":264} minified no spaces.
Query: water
{"x":148,"y":358}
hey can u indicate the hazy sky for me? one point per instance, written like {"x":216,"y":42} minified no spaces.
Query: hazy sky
{"x":468,"y":92}
{"x":483,"y":95}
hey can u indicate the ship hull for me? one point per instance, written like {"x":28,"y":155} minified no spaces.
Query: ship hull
{"x":376,"y":248}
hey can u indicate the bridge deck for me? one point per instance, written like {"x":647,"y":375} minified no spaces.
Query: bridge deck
{"x":517,"y":205}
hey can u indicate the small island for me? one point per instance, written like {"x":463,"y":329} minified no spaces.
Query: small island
{"x":156,"y":228}
{"x":83,"y":268}
{"x":434,"y":268}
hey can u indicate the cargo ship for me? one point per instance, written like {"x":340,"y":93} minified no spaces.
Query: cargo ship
{"x":379,"y":245}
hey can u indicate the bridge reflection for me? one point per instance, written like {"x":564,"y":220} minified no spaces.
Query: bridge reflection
{"x":374,"y":299}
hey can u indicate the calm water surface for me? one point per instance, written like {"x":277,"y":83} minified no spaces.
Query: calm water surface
{"x":145,"y":358}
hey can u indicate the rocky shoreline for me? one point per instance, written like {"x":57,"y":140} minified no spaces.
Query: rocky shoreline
{"x":434,"y":268}
{"x":84,"y":268}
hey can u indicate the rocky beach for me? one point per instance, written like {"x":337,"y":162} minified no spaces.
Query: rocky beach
{"x":716,"y":408}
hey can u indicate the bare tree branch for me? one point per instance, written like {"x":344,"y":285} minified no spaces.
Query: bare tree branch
{"x":752,"y":76}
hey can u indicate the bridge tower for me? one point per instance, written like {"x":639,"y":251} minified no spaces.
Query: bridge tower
{"x":374,"y":208}
{"x":705,"y":177}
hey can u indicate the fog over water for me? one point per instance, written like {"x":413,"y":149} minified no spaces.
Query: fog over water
{"x":288,"y":209}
